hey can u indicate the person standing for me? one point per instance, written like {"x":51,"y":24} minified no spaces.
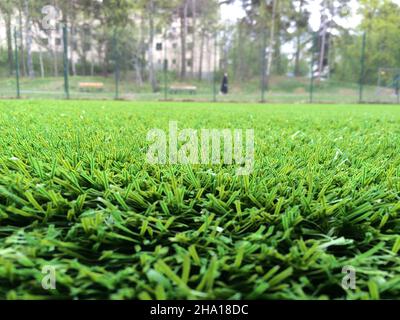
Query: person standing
{"x":224,"y":85}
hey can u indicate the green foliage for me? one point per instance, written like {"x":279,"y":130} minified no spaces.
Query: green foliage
{"x":380,"y":21}
{"x":77,"y":193}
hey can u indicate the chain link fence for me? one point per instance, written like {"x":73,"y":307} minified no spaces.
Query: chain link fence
{"x":72,"y":63}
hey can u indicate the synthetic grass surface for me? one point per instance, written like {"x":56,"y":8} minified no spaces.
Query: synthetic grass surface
{"x":76,"y":193}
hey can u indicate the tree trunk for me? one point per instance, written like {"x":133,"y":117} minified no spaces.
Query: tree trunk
{"x":72,"y":48}
{"x":91,"y":41}
{"x":142,"y":48}
{"x":41,"y":62}
{"x":105,"y":64}
{"x":200,"y":75}
{"x":72,"y":18}
{"x":91,"y":66}
{"x":324,"y":25}
{"x":53,"y":50}
{"x":271,"y":41}
{"x":210,"y":53}
{"x":152,"y":76}
{"x":22,"y":49}
{"x":322,"y":52}
{"x":71,"y":51}
{"x":240,"y":53}
{"x":298,"y":41}
{"x":277,"y":57}
{"x":99,"y":51}
{"x":28,"y":35}
{"x":194,"y":17}
{"x":297,"y":56}
{"x":138,"y":74}
{"x":83,"y":54}
{"x":10,"y":59}
{"x":224,"y":52}
{"x":105,"y":60}
{"x":183,"y":39}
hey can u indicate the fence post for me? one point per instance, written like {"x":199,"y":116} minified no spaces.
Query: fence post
{"x":362,"y":61}
{"x":116,"y":65}
{"x":16,"y":63}
{"x":65,"y":58}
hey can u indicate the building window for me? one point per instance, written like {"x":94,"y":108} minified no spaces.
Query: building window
{"x":45,"y":41}
{"x":190,"y":29}
{"x":175,"y":45}
{"x":189,"y":62}
{"x":173,"y":61}
{"x":159,"y":46}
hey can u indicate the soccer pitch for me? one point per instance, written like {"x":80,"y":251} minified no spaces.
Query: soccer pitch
{"x":79,"y":198}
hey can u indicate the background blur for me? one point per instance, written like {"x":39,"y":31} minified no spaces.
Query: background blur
{"x":286,"y":51}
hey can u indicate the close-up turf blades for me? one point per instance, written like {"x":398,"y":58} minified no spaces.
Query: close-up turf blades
{"x":77,"y":193}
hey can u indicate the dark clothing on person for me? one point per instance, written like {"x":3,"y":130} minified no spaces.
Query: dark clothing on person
{"x":224,"y":85}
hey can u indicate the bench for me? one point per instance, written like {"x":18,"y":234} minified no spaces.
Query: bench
{"x":181,"y":88}
{"x":87,"y":86}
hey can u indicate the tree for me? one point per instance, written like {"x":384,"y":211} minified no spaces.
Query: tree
{"x":7,"y":10}
{"x":271,"y":44}
{"x":34,"y":33}
{"x":183,"y":11}
{"x":21,"y":38}
{"x":152,"y":76}
{"x":205,"y":27}
{"x":380,"y":21}
{"x":300,"y":16}
{"x":194,"y":26}
{"x":28,"y":41}
{"x":157,"y":13}
{"x":330,"y":11}
{"x":268,"y":21}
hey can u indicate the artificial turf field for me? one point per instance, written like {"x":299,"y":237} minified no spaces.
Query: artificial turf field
{"x":76,"y":193}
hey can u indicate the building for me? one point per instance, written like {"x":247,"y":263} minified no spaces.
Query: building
{"x":202,"y":55}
